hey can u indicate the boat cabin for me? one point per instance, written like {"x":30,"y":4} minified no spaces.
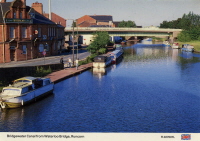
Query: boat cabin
{"x":102,"y":58}
{"x":24,"y":85}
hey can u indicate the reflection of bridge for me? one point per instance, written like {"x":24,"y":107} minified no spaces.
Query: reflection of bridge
{"x":86,"y":32}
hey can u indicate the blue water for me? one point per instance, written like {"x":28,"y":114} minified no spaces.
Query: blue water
{"x":153,"y":89}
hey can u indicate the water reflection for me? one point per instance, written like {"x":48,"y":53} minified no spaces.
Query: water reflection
{"x":152,"y":89}
{"x":99,"y":72}
{"x":140,"y":52}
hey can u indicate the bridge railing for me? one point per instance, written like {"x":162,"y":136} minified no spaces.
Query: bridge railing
{"x":121,"y":29}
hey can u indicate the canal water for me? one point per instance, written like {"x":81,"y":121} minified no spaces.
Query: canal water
{"x":153,"y":89}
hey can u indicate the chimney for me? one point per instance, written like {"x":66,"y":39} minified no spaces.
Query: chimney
{"x":38,"y":7}
{"x":3,"y":1}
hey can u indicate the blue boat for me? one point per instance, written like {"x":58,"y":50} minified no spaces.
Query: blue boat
{"x":187,"y":47}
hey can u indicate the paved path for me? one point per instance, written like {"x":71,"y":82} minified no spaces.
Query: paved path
{"x":40,"y":61}
{"x":68,"y":72}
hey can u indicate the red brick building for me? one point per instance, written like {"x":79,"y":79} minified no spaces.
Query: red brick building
{"x":26,"y":34}
{"x":95,"y":21}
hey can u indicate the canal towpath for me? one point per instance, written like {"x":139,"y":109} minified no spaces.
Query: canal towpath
{"x":68,"y":72}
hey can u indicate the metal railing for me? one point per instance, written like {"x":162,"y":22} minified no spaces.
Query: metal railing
{"x":123,"y":29}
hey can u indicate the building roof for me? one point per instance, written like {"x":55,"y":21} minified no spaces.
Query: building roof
{"x":104,"y":18}
{"x":4,"y":7}
{"x":37,"y":18}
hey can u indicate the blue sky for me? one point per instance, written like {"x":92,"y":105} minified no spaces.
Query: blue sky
{"x":143,"y":12}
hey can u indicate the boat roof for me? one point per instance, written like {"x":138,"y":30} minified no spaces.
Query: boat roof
{"x":27,"y":78}
{"x":19,"y":85}
{"x":115,"y":51}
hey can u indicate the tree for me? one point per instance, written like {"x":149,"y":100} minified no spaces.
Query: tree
{"x":184,"y":37}
{"x":98,"y":45}
{"x":127,"y":24}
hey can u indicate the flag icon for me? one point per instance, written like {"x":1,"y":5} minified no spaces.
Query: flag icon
{"x":185,"y":137}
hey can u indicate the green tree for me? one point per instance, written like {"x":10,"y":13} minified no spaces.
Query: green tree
{"x":184,"y":37}
{"x":98,"y":45}
{"x":127,"y":24}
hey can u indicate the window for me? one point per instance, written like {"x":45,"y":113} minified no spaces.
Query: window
{"x":47,"y":47}
{"x":24,"y":49}
{"x":47,"y":82}
{"x":39,"y":32}
{"x":20,"y":15}
{"x":41,"y":48}
{"x":24,"y":32}
{"x":14,"y":15}
{"x":12,"y":32}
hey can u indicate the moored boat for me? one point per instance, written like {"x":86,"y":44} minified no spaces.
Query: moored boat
{"x":102,"y":61}
{"x":175,"y":46}
{"x":147,"y":41}
{"x":116,"y":54}
{"x":166,"y":43}
{"x":187,"y":47}
{"x":24,"y":91}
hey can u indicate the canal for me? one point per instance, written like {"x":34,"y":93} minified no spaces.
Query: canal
{"x":153,"y":89}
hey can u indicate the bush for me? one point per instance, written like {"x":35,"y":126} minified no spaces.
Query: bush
{"x":40,"y":72}
{"x":102,"y":50}
{"x":89,"y":59}
{"x":184,"y":37}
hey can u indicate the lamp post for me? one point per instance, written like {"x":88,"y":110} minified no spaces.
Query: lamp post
{"x":77,"y":40}
{"x":73,"y":37}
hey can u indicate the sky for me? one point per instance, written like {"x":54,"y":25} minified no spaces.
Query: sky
{"x":142,"y":12}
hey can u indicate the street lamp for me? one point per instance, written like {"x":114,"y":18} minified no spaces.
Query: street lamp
{"x":73,"y":37}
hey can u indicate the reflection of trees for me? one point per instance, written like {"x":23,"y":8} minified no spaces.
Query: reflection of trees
{"x":135,"y":54}
{"x":184,"y":62}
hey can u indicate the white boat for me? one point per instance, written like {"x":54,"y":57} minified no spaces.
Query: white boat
{"x":166,"y":43}
{"x":175,"y":46}
{"x":116,"y":54}
{"x":187,"y":47}
{"x":102,"y":61}
{"x":25,"y":90}
{"x":147,"y":41}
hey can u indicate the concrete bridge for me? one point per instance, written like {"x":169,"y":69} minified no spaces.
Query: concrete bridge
{"x":86,"y":32}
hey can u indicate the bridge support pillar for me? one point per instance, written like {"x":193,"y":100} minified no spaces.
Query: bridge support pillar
{"x":112,"y":38}
{"x":171,"y":40}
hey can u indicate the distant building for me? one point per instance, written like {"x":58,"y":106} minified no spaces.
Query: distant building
{"x":95,"y":21}
{"x":27,"y":34}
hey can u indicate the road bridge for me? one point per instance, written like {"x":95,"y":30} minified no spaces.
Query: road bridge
{"x":86,"y":32}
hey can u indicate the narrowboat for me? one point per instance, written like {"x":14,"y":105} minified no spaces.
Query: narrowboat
{"x":24,"y":91}
{"x":102,"y":61}
{"x":187,"y":47}
{"x":116,"y":54}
